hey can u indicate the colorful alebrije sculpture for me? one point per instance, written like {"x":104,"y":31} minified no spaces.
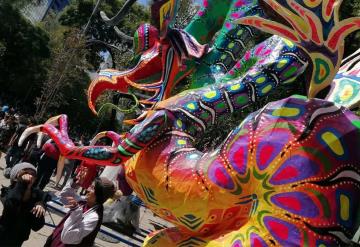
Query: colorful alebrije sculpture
{"x":288,"y":175}
{"x":176,"y":53}
{"x":315,"y":26}
{"x":345,"y":88}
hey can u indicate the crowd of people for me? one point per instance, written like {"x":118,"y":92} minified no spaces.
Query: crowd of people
{"x":29,"y":169}
{"x":45,"y":158}
{"x":25,"y":205}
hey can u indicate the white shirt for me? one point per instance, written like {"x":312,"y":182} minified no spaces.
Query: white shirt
{"x":78,"y":225}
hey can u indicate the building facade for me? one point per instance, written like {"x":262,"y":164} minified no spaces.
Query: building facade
{"x":38,"y":9}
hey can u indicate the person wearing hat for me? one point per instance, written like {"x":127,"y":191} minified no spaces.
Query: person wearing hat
{"x":82,"y":223}
{"x":24,"y":208}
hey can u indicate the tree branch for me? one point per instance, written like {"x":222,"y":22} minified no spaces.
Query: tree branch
{"x":119,"y":16}
{"x":107,"y":45}
{"x":126,"y":38}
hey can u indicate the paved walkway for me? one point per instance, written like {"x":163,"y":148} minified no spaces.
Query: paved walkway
{"x":37,"y":239}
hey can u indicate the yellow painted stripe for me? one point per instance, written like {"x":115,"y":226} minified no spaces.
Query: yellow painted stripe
{"x":286,"y":112}
{"x":344,"y":207}
{"x":333,"y":142}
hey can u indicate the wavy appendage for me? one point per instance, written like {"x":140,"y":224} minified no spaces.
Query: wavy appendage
{"x":321,"y":36}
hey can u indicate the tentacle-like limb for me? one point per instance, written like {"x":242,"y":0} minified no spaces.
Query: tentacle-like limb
{"x":271,"y":27}
{"x":141,"y":136}
{"x":344,"y":28}
{"x":115,"y":137}
{"x":324,"y":41}
{"x":296,"y":22}
{"x":133,"y":108}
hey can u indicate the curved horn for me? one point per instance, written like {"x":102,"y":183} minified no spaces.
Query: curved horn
{"x":115,"y":137}
{"x":28,"y":132}
{"x":119,"y":16}
{"x":128,"y":39}
{"x":37,"y":129}
{"x":97,"y":137}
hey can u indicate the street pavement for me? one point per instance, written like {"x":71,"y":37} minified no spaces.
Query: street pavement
{"x":37,"y":239}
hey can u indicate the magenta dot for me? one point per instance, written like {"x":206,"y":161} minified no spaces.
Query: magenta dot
{"x":206,"y":3}
{"x":267,"y":52}
{"x":259,"y":49}
{"x":247,"y":55}
{"x":201,"y":13}
{"x":239,"y":3}
{"x":235,"y":15}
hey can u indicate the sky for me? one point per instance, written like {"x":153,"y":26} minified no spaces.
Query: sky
{"x":144,"y":1}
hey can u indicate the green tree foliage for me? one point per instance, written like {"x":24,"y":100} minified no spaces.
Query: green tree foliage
{"x":77,"y":15}
{"x":186,"y":12}
{"x":23,"y":55}
{"x":351,"y":8}
{"x":64,"y":90}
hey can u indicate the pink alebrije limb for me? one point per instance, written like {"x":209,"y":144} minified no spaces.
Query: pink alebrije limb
{"x":115,"y":137}
{"x":64,"y":144}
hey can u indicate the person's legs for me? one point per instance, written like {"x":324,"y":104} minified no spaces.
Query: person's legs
{"x":67,"y":173}
{"x":40,"y":172}
{"x":9,"y":157}
{"x":13,"y":156}
{"x":17,"y":156}
{"x":10,"y":161}
{"x":46,"y":173}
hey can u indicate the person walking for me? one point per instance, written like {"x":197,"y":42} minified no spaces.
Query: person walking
{"x":81,"y":225}
{"x":24,"y":206}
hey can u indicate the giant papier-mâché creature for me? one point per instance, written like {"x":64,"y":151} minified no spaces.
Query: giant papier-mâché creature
{"x":288,"y":175}
{"x":169,"y":57}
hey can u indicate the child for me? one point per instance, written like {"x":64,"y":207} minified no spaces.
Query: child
{"x":24,"y":206}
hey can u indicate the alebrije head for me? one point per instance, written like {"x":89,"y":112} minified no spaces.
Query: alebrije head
{"x":144,"y":38}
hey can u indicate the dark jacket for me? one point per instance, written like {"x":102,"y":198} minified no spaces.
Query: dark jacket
{"x":17,"y":221}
